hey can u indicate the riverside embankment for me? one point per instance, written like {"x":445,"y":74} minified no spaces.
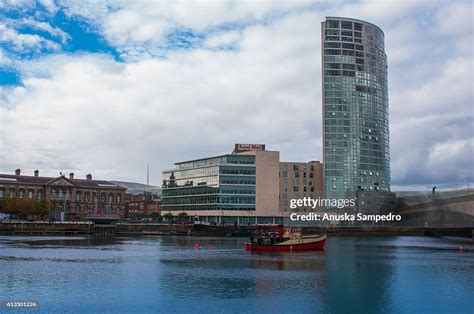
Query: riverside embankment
{"x":87,"y":228}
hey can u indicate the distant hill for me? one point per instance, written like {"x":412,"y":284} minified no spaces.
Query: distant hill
{"x":134,"y":185}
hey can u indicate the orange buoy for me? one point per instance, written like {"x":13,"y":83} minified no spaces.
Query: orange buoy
{"x":196,"y":246}
{"x":461,"y":249}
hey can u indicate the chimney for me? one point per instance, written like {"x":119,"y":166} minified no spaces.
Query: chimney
{"x":17,"y":172}
{"x":71,"y":175}
{"x":37,"y":173}
{"x":89,"y":177}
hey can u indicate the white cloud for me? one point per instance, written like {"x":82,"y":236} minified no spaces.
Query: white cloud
{"x":96,"y":115}
{"x":442,"y":153}
{"x":25,"y":42}
{"x":381,"y":12}
{"x":46,"y":27}
{"x":93,"y":114}
{"x":4,"y":59}
{"x":49,"y":5}
{"x":222,"y":39}
{"x":128,"y":25}
{"x":456,"y":18}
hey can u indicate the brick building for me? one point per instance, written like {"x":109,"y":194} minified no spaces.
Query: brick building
{"x":139,"y":207}
{"x":77,"y":198}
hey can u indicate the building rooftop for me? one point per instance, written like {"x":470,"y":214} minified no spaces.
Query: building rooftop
{"x":37,"y":180}
{"x":353,"y":20}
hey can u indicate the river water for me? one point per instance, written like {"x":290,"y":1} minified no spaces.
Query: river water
{"x":172,"y":275}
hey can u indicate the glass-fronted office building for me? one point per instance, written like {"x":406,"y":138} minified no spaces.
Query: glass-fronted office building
{"x":218,"y":183}
{"x":355,"y":106}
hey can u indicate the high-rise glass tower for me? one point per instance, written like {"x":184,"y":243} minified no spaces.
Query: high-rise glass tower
{"x":355,"y":106}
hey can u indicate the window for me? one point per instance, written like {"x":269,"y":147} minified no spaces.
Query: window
{"x":332,"y":24}
{"x":111,"y":198}
{"x":87,"y":197}
{"x":102,"y":197}
{"x":346,"y":33}
{"x":2,"y":193}
{"x":119,"y":198}
{"x":21,"y":193}
{"x":332,"y":65}
{"x":332,"y":45}
{"x":78,"y":196}
{"x":346,"y":25}
{"x":30,"y":194}
{"x":332,"y":32}
{"x":295,"y":189}
{"x":39,"y":194}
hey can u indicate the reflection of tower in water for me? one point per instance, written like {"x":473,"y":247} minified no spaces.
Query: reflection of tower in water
{"x":354,"y":279}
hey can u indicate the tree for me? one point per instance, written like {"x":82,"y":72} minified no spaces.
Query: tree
{"x":43,"y":208}
{"x":169,"y":216}
{"x":155,"y":215}
{"x":183,"y":216}
{"x":10,"y":206}
{"x":3,"y":205}
{"x":26,"y":207}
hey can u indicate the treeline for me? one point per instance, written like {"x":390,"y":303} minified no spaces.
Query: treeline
{"x":24,"y":208}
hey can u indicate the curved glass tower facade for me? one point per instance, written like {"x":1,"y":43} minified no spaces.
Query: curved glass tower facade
{"x":355,"y":106}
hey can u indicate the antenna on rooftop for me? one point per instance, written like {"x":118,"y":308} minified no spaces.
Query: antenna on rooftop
{"x":147,"y":176}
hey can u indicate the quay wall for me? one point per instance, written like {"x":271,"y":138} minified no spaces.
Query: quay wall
{"x":85,"y":228}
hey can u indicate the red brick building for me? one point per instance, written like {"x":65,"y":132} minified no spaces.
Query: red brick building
{"x":137,"y":206}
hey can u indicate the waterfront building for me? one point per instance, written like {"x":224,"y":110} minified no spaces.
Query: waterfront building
{"x":245,"y":186}
{"x":355,"y":106}
{"x":299,"y":180}
{"x":141,"y":205}
{"x":69,"y":196}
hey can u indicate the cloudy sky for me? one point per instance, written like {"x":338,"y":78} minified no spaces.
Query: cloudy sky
{"x":104,"y":87}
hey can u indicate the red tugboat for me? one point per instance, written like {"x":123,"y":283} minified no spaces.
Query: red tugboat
{"x":275,"y":237}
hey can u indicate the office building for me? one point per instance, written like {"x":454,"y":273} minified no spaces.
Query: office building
{"x":299,"y":180}
{"x":244,"y":186}
{"x":355,"y":107}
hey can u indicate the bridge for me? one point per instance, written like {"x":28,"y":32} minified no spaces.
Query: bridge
{"x":440,"y":209}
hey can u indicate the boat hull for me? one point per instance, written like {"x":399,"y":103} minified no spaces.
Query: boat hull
{"x":306,"y":244}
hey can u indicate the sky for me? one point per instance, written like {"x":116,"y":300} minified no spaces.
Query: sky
{"x":105,"y":87}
